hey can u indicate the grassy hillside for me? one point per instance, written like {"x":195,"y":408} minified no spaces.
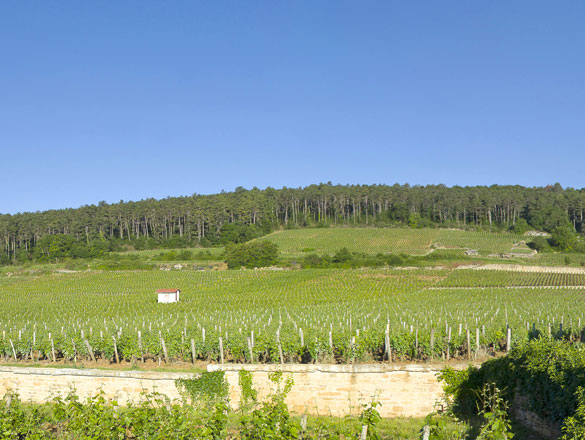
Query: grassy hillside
{"x":296,"y":242}
{"x":484,"y":242}
{"x":196,"y":251}
{"x":369,"y":240}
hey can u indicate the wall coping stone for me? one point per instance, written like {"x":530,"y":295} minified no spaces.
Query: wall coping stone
{"x":289,"y":368}
{"x":91,"y":372}
{"x":334,"y":368}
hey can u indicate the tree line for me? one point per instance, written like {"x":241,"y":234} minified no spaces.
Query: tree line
{"x":238,"y":216}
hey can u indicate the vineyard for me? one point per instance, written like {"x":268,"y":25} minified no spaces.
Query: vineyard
{"x":215,"y":252}
{"x":320,"y":315}
{"x":484,"y":242}
{"x":297,"y":242}
{"x":504,"y":278}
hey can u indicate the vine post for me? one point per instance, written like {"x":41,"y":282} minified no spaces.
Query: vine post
{"x":221,"y":349}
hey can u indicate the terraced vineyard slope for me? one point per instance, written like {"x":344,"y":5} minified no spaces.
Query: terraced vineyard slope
{"x":506,"y":278}
{"x":297,"y":242}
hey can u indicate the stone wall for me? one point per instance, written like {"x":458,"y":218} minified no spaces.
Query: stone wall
{"x":337,"y":390}
{"x":523,"y":415}
{"x":408,"y":390}
{"x":41,"y":384}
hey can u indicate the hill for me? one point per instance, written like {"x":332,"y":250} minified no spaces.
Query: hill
{"x":297,"y":242}
{"x":241,"y":215}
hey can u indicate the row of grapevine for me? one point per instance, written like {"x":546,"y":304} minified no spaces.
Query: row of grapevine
{"x":484,"y":242}
{"x":385,"y":240}
{"x":272,"y":316}
{"x":368,"y":240}
{"x":502,"y":278}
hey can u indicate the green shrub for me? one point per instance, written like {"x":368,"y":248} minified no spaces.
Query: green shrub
{"x":540,"y":244}
{"x":494,"y":410}
{"x":563,"y":238}
{"x":548,"y":373}
{"x":250,"y":255}
{"x":370,"y":417}
{"x":174,"y":256}
{"x":442,"y":428}
{"x":125,"y":264}
{"x":272,"y":420}
{"x":345,"y":259}
{"x":574,"y":426}
{"x":521,"y":226}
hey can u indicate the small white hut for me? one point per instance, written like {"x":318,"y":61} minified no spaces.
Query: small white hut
{"x":168,"y":295}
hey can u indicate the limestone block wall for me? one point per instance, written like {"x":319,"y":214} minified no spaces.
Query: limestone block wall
{"x":42,"y":384}
{"x":546,"y":430}
{"x":338,"y":390}
{"x":407,"y":390}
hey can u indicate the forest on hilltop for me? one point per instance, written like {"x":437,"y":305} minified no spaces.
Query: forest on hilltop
{"x":244,"y":214}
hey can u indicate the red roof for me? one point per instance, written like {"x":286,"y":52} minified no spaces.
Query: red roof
{"x":167,"y":290}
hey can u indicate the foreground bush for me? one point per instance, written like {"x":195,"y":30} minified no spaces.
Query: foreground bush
{"x":156,"y":417}
{"x":549,"y":375}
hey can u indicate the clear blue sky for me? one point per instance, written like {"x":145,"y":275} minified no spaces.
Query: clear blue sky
{"x":110,"y":100}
